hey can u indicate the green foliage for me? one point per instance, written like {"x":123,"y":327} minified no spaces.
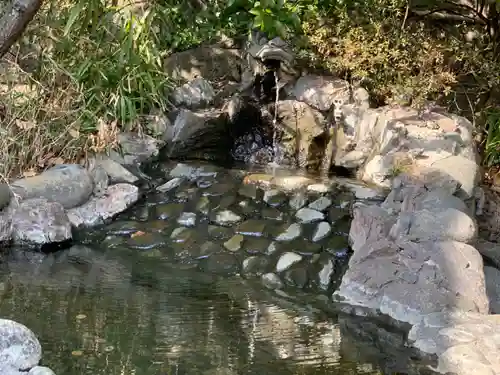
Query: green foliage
{"x":492,"y":144}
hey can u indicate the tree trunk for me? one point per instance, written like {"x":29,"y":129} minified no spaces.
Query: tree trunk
{"x":14,"y":20}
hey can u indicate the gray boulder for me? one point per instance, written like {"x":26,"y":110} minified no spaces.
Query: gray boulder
{"x":19,"y":347}
{"x":37,"y":222}
{"x":117,"y":199}
{"x":41,"y":370}
{"x":68,"y":184}
{"x":322,"y":92}
{"x":5,"y":195}
{"x":194,"y":94}
{"x":136,"y":148}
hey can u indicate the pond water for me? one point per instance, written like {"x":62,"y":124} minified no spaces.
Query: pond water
{"x":174,"y":286}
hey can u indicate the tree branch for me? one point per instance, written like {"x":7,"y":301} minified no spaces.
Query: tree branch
{"x":14,"y":21}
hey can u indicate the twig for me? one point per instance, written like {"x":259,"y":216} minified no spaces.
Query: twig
{"x":406,"y":14}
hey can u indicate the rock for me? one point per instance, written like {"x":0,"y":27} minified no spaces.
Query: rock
{"x":298,"y":201}
{"x":248,"y":191}
{"x":322,"y":92}
{"x":251,"y":227}
{"x":37,"y":222}
{"x":5,"y":195}
{"x":116,"y":172}
{"x":489,"y":250}
{"x":464,"y":343}
{"x":304,"y":133}
{"x":41,"y":370}
{"x":369,"y":224}
{"x":291,"y":183}
{"x":307,"y":215}
{"x":448,"y":224}
{"x":272,"y":281}
{"x":222,"y":264}
{"x":169,"y":185}
{"x":137,"y":149}
{"x":391,"y":140}
{"x":19,"y":347}
{"x":274,"y":197}
{"x":234,"y":243}
{"x":5,"y":227}
{"x":68,"y":184}
{"x":226,"y":218}
{"x":194,"y":94}
{"x":325,"y":274}
{"x":188,"y":219}
{"x":492,"y":279}
{"x":100,"y":179}
{"x":320,"y":204}
{"x":287,"y":260}
{"x":210,"y":62}
{"x":292,"y":232}
{"x":117,"y":199}
{"x":204,"y":134}
{"x":322,"y":231}
{"x":409,"y":280}
{"x":319,"y":188}
{"x":254,"y":265}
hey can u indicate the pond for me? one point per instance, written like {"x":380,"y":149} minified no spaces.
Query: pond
{"x":210,"y":274}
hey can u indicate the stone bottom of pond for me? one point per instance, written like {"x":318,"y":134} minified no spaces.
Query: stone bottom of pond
{"x":212,"y":273}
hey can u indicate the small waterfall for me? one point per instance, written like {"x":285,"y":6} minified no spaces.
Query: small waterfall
{"x":276,"y":150}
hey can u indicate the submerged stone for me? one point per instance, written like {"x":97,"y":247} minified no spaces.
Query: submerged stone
{"x":272,"y":281}
{"x":226,"y":218}
{"x":251,"y":228}
{"x":291,"y":233}
{"x":234,"y":243}
{"x":307,"y":215}
{"x":320,"y":204}
{"x":322,"y":230}
{"x":287,"y":260}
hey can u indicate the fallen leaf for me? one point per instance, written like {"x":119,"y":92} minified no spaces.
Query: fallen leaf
{"x":25,"y":125}
{"x":75,"y":133}
{"x":29,"y":173}
{"x":77,"y":353}
{"x":81,"y":316}
{"x":137,"y":234}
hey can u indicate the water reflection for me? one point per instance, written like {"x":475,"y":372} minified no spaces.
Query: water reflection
{"x":93,"y":318}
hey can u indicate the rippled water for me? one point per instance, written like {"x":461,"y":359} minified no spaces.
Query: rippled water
{"x":92,"y":318}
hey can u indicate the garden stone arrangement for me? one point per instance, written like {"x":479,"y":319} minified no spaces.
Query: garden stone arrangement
{"x":409,"y":219}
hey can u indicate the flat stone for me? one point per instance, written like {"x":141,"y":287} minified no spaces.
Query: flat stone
{"x":220,"y":233}
{"x":248,"y":191}
{"x":188,"y":219}
{"x":256,"y":245}
{"x":320,"y":204}
{"x":226,"y":217}
{"x":322,"y":230}
{"x":225,"y":264}
{"x":296,"y":277}
{"x":137,"y":148}
{"x":168,"y":211}
{"x":117,"y":199}
{"x":298,"y":201}
{"x":290,"y":183}
{"x":169,"y":185}
{"x":41,"y":370}
{"x":68,"y":184}
{"x":307,"y":215}
{"x":19,"y":347}
{"x":274,"y":197}
{"x":251,"y":228}
{"x":255,"y":265}
{"x":146,"y":241}
{"x":271,"y":213}
{"x":272,"y":281}
{"x":116,"y":172}
{"x":319,"y":188}
{"x":38,"y":222}
{"x":234,"y":243}
{"x":292,"y":232}
{"x":287,"y":260}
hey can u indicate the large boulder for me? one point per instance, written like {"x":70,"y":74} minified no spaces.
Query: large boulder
{"x":68,"y":184}
{"x":390,"y":140}
{"x":97,"y":210}
{"x":305,"y":136}
{"x":210,"y":62}
{"x":19,"y":348}
{"x":37,"y":221}
{"x":321,"y":92}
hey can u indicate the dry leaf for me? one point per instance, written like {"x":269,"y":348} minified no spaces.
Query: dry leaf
{"x":77,"y":353}
{"x":56,"y":161}
{"x":74,"y":133}
{"x":29,"y":173}
{"x":137,"y":234}
{"x":81,"y":316}
{"x":25,"y":125}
